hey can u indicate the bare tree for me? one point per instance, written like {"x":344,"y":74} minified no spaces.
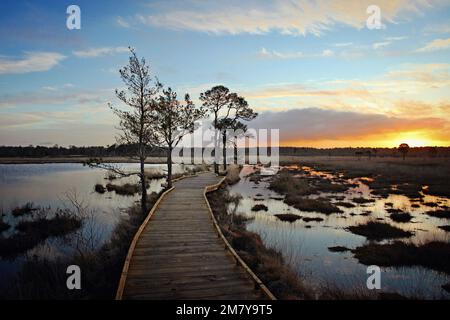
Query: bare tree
{"x":215,"y":100}
{"x":238,"y":109}
{"x":226,"y":108}
{"x":136,"y":124}
{"x":174,"y":120}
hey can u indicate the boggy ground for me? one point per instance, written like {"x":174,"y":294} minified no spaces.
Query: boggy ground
{"x":268,"y":264}
{"x":417,"y":219}
{"x":44,"y":278}
{"x":388,"y":175}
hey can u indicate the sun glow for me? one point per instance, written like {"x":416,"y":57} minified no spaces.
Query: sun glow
{"x":414,"y":139}
{"x":421,"y":138}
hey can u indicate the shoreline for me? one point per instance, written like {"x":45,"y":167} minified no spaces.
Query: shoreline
{"x":40,"y":160}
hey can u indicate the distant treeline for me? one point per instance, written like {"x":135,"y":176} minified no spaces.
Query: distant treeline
{"x":73,"y":151}
{"x":125,"y":150}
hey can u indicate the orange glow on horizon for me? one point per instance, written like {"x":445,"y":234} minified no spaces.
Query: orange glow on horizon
{"x":392,"y":140}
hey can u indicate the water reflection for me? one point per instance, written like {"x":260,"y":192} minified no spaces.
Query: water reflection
{"x":305,"y":244}
{"x":48,"y":185}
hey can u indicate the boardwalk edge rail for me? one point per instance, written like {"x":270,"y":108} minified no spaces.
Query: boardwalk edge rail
{"x":126,"y":265}
{"x":254,"y":277}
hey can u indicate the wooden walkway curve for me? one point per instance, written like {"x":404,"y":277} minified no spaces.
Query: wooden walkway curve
{"x":179,"y":252}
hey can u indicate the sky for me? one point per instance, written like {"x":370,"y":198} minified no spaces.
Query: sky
{"x":312,"y":69}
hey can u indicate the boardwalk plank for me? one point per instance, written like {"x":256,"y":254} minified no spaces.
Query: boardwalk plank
{"x":179,"y":255}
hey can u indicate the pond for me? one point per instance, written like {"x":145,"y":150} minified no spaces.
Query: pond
{"x":52,"y":186}
{"x":304,"y":245}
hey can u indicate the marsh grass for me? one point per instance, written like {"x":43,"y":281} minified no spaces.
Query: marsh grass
{"x":321,"y":205}
{"x":344,"y":204}
{"x":401,"y":216}
{"x":286,"y":183}
{"x":362,"y":200}
{"x":126,"y":189}
{"x":110,"y":176}
{"x":309,"y":219}
{"x":338,"y":249}
{"x":409,"y":175}
{"x":374,"y":230}
{"x":27,"y":208}
{"x":33,"y":232}
{"x":296,"y":189}
{"x":267,"y":263}
{"x":154,"y":174}
{"x":289,"y":217}
{"x":99,"y":188}
{"x":259,"y":207}
{"x":446,"y":287}
{"x":42,"y":278}
{"x":443,"y":214}
{"x":3,"y":225}
{"x":331,"y":291}
{"x":433,"y":255}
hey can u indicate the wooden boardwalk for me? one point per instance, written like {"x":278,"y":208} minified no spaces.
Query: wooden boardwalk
{"x":180,"y":255}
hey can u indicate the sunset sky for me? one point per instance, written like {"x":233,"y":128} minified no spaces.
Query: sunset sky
{"x":310,"y":68}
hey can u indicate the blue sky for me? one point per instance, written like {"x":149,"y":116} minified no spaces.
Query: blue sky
{"x":311,"y":66}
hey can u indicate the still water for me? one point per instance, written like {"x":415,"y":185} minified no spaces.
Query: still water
{"x":304,"y":245}
{"x":51,"y":185}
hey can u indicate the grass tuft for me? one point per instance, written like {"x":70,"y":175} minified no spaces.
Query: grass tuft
{"x":374,"y":230}
{"x":27,"y":208}
{"x":401,"y":216}
{"x":433,"y":255}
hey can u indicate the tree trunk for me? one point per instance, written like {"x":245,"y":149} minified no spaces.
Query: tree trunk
{"x":235,"y":151}
{"x":224,"y":150}
{"x":169,"y":167}
{"x":143,"y":188}
{"x":216,"y":165}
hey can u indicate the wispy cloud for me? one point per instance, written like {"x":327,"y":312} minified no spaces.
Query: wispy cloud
{"x":31,"y":62}
{"x":437,"y":29}
{"x":14,"y":120}
{"x":56,"y":88}
{"x":287,"y":17}
{"x":122,"y":22}
{"x":343,"y":44}
{"x":54,"y":96}
{"x":264,"y":53}
{"x":424,"y":86}
{"x":273,"y":54}
{"x":435,"y":45}
{"x":99,"y":52}
{"x":398,"y":38}
{"x":379,"y":45}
